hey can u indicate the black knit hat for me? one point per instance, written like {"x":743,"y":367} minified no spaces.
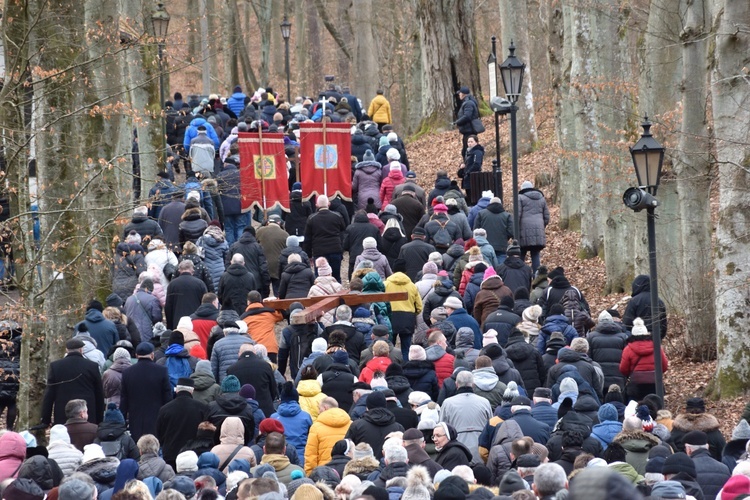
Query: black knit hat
{"x":451,"y":488}
{"x":679,"y":462}
{"x":95,"y":304}
{"x":375,"y":400}
{"x":176,"y":337}
{"x":289,"y":393}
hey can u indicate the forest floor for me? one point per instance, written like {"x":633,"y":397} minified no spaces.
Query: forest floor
{"x":685,"y":378}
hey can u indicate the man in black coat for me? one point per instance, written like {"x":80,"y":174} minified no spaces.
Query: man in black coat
{"x":414,"y":443}
{"x":503,"y":320}
{"x":177,"y":421}
{"x":143,"y":225}
{"x":375,"y":425}
{"x":558,"y":285}
{"x":358,"y":230}
{"x":536,"y":430}
{"x":514,"y":271}
{"x":324,"y":236}
{"x":255,"y":259}
{"x":410,"y":208}
{"x":466,"y":113}
{"x":183,"y":294}
{"x":235,"y":284}
{"x":606,"y":343}
{"x":527,"y":360}
{"x":711,"y":475}
{"x":145,"y":389}
{"x":355,"y":340}
{"x":405,"y":416}
{"x":169,"y":220}
{"x":73,"y":377}
{"x":640,"y":306}
{"x":251,"y":369}
{"x":415,"y":253}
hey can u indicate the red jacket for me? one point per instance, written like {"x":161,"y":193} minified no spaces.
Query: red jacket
{"x":379,"y":363}
{"x":443,"y":364}
{"x":638,"y":355}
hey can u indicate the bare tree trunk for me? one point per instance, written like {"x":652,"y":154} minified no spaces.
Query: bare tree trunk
{"x":692,"y":164}
{"x":662,"y":59}
{"x":365,"y":48}
{"x":515,"y":28}
{"x":278,"y":72}
{"x":448,"y":54}
{"x":312,"y":53}
{"x":344,"y":23}
{"x":263,"y":10}
{"x":731,"y":113}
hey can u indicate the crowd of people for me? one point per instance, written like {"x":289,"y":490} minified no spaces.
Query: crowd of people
{"x":490,"y":379}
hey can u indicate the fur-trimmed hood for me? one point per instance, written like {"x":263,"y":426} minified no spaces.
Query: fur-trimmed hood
{"x":704,"y":422}
{"x":361,"y":466}
{"x":210,"y":185}
{"x":636,"y":440}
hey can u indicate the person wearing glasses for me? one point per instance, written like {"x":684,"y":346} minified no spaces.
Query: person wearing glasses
{"x":450,"y":451}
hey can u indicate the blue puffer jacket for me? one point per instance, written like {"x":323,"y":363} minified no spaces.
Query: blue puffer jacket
{"x":225,"y":353}
{"x":215,"y":250}
{"x":258,"y":414}
{"x":102,"y":330}
{"x":297,"y":425}
{"x":556,"y":323}
{"x":192,"y":132}
{"x":236,"y":102}
{"x":481,"y":205}
{"x":472,"y":289}
{"x":606,"y":432}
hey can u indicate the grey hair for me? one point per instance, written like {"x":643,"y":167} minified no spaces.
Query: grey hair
{"x":464,"y":379}
{"x":74,"y":407}
{"x":186,"y":265}
{"x":148,"y":444}
{"x":549,"y":478}
{"x":395,"y":454}
{"x":344,"y":313}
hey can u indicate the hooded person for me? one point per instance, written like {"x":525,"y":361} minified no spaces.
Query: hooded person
{"x":695,"y":418}
{"x":232,"y":444}
{"x":375,"y":425}
{"x":100,"y":468}
{"x":451,"y":452}
{"x":296,"y":422}
{"x":113,"y":437}
{"x":60,"y":449}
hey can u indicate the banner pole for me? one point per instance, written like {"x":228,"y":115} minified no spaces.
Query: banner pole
{"x":325,"y":146}
{"x":262,"y":169}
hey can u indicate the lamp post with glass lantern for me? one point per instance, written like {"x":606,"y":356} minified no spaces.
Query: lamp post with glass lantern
{"x":160,"y":20}
{"x":286,"y":32}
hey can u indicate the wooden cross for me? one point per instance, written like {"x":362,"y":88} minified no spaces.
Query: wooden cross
{"x":315,"y":307}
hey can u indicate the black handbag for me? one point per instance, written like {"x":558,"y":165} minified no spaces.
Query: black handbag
{"x":477,"y":125}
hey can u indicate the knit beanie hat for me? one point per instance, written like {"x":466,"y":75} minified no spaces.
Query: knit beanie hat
{"x":655,"y":465}
{"x":230,"y":384}
{"x":270,"y":425}
{"x":429,"y":268}
{"x":678,"y":462}
{"x":526,"y":185}
{"x":120,"y":353}
{"x":568,"y":384}
{"x":369,"y":242}
{"x":60,"y":433}
{"x":176,"y":337}
{"x":451,"y":488}
{"x":113,"y":414}
{"x":187,"y":461}
{"x":289,"y":393}
{"x":227,"y":318}
{"x":734,"y":488}
{"x":292,"y":241}
{"x":417,"y":353}
{"x":639,"y":329}
{"x":607,"y":412}
{"x":340,"y":357}
{"x":324,"y":269}
{"x":203,"y":366}
{"x":247,"y":391}
{"x":361,"y":452}
{"x":605,"y":317}
{"x":319,"y":345}
{"x":511,"y":392}
{"x":489,"y":273}
{"x":375,"y":400}
{"x":23,"y":489}
{"x":532,"y":313}
{"x":512,"y":482}
{"x":489,"y":337}
{"x":614,"y":394}
{"x":741,"y":430}
{"x":92,"y":452}
{"x":183,"y":484}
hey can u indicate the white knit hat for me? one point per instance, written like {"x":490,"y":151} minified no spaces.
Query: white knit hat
{"x":604,"y":316}
{"x":120,"y":353}
{"x":369,"y":242}
{"x":92,"y":452}
{"x":489,"y":337}
{"x":185,"y":322}
{"x":319,"y":345}
{"x":393,"y":154}
{"x":187,"y":461}
{"x":59,"y":433}
{"x":639,"y":329}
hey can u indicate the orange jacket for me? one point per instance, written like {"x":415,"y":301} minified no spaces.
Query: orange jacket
{"x":260,"y":325}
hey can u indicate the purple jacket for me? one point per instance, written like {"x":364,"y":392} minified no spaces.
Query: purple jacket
{"x":366,"y":183}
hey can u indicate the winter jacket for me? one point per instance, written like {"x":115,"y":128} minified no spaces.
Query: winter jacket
{"x":323,"y":286}
{"x":183,"y":298}
{"x":506,"y":372}
{"x":338,"y":382}
{"x":555,"y":292}
{"x":284,"y":257}
{"x":204,"y":319}
{"x":422,"y":377}
{"x":639,"y":306}
{"x":232,"y":436}
{"x":324,"y":233}
{"x":206,"y":389}
{"x":605,"y":432}
{"x":200,"y":271}
{"x":255,"y":259}
{"x":102,"y":470}
{"x":637,"y":444}
{"x":272,"y":239}
{"x":527,"y":361}
{"x":442,"y":361}
{"x":711,"y":474}
{"x":488,"y":385}
{"x":442,"y":185}
{"x":460,"y":318}
{"x":488,"y":298}
{"x":555,"y":323}
{"x":379,"y":363}
{"x":129,"y":263}
{"x":415,"y":254}
{"x":192,"y":226}
{"x":437,"y":297}
{"x":472,"y":163}
{"x":379,"y":110}
{"x":515,"y":273}
{"x":153,"y":465}
{"x":145,"y":314}
{"x":496,"y":221}
{"x":67,"y":456}
{"x":379,"y":261}
{"x":225,"y":352}
{"x":389,"y":183}
{"x":533,"y":217}
{"x":466,"y":113}
{"x":583,"y":364}
{"x":638,"y":355}
{"x":360,"y":146}
{"x":102,"y":330}
{"x":394,"y":353}
{"x":331,"y":426}
{"x":112,"y":380}
{"x":366,"y":183}
{"x":536,"y":430}
{"x":110,"y":432}
{"x":606,"y":345}
{"x":503,"y":321}
{"x":192,"y":132}
{"x":467,"y":413}
{"x":232,"y":405}
{"x":472,"y":289}
{"x":236,"y":102}
{"x":704,"y":422}
{"x":546,"y":413}
{"x":436,"y":224}
{"x":296,"y":423}
{"x":372,"y":428}
{"x":296,"y":281}
{"x":310,"y":396}
{"x":10,"y":362}
{"x":261,"y":322}
{"x":12,"y":454}
{"x":465,"y":353}
{"x":295,"y":221}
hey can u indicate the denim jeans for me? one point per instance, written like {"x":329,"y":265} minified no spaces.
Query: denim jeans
{"x":405,"y":344}
{"x":334,"y":260}
{"x":233,"y":226}
{"x":536,"y":260}
{"x":500,"y":258}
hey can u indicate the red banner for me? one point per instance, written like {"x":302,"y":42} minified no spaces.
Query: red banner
{"x":325,"y":160}
{"x":264,"y":178}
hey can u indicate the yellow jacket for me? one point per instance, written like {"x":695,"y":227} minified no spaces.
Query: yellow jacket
{"x":310,"y":397}
{"x":330,"y":427}
{"x":379,"y":110}
{"x":399,"y":282}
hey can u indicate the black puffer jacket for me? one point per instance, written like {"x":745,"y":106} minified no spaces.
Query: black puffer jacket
{"x":573,"y":421}
{"x":422,"y":377}
{"x":296,"y":220}
{"x":515,"y":273}
{"x":356,"y":233}
{"x":640,"y":305}
{"x":606,"y":343}
{"x":442,"y":185}
{"x":372,"y":428}
{"x":10,"y":359}
{"x":360,"y":145}
{"x":296,"y":281}
{"x":392,"y":243}
{"x":234,"y":286}
{"x":113,"y":431}
{"x":192,"y":225}
{"x":581,"y":362}
{"x":255,"y":259}
{"x":554,"y":294}
{"x":527,"y":361}
{"x":324,"y":233}
{"x":502,"y":321}
{"x":437,"y":297}
{"x":200,"y":271}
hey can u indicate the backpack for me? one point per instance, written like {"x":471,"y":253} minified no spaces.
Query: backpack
{"x":379,"y":311}
{"x":571,"y":302}
{"x":442,"y":238}
{"x":113,"y":449}
{"x":301,"y":345}
{"x":177,"y":368}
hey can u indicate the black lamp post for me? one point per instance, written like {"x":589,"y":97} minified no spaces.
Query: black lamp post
{"x":648,"y":158}
{"x":286,"y":32}
{"x":160,"y":19}
{"x":492,"y":72}
{"x":511,"y":71}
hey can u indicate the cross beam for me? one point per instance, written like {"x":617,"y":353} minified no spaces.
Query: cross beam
{"x":316,"y":307}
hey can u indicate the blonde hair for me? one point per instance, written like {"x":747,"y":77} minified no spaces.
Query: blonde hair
{"x":380,"y":348}
{"x":112,"y":314}
{"x":137,"y":488}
